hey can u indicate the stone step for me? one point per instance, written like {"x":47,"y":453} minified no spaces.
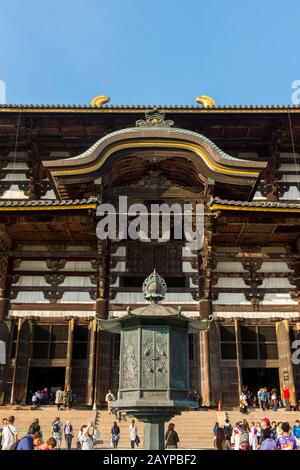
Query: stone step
{"x":194,"y":427}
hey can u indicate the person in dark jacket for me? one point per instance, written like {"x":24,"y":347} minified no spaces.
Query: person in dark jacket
{"x":115,"y":435}
{"x":171,"y":437}
{"x":266,"y":431}
{"x":30,"y":439}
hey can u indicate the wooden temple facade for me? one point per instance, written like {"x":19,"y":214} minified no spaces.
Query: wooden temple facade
{"x":58,"y":163}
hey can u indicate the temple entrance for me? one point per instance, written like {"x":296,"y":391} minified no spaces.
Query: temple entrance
{"x":254,"y":378}
{"x":41,"y":377}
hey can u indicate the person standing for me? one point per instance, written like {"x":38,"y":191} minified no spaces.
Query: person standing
{"x":133,"y":433}
{"x":68,"y":432}
{"x":296,"y":432}
{"x":274,"y":399}
{"x":266,"y":432}
{"x":236,"y":435}
{"x":115,"y":435}
{"x":263,"y":396}
{"x":70,"y":398}
{"x":259,"y":398}
{"x":58,"y":398}
{"x":243,"y":403}
{"x":57,"y":432}
{"x":215,"y":430}
{"x":171,"y":437}
{"x":109,"y":400}
{"x":228,"y":430}
{"x":85,"y":439}
{"x":286,"y":441}
{"x":9,"y":434}
{"x":65,"y":398}
{"x":253,"y":438}
{"x":286,"y":397}
{"x":4,"y":423}
{"x":222,"y":442}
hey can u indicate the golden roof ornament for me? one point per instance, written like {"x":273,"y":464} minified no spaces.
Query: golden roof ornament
{"x":99,"y":101}
{"x":206,"y":101}
{"x":154,"y":118}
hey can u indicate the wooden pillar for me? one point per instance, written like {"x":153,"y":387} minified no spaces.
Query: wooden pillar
{"x":286,"y":371}
{"x":238,"y":354}
{"x":5,"y":245}
{"x":20,"y":373}
{"x":104,"y":339}
{"x":91,"y":366}
{"x":68,"y":374}
{"x":4,"y":337}
{"x":205,"y":369}
{"x":205,"y":304}
{"x":215,"y":366}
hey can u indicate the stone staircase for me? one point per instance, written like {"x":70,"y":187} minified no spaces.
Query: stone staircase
{"x":194,"y":427}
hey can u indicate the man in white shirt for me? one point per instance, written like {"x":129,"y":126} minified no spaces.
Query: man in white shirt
{"x":133,"y":433}
{"x":9,"y":434}
{"x":109,"y":400}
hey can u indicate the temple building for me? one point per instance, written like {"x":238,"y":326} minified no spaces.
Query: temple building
{"x":59,"y":163}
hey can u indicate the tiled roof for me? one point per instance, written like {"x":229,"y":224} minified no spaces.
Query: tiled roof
{"x":262,"y":204}
{"x":144,"y":107}
{"x":47,"y":202}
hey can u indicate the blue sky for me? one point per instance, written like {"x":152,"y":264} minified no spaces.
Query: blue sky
{"x":149,"y":51}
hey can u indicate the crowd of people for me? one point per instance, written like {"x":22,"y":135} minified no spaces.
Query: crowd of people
{"x":62,"y":398}
{"x":265,"y":399}
{"x":87,"y":437}
{"x":264,"y":435}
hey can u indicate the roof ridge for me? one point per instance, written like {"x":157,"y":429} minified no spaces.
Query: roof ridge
{"x":151,"y":106}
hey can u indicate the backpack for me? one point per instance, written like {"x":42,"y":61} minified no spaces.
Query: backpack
{"x":15,"y":445}
{"x":228,"y":431}
{"x":56,"y":426}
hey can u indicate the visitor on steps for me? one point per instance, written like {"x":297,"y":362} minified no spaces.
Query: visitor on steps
{"x":228,"y":430}
{"x":171,"y":437}
{"x":235,"y":439}
{"x":243,"y":404}
{"x":274,"y":399}
{"x":266,"y":431}
{"x":264,"y":399}
{"x":296,"y":432}
{"x":70,"y":398}
{"x":31,"y":439}
{"x":253,"y":436}
{"x":85,"y":438}
{"x":65,"y":398}
{"x":133,"y":434}
{"x":68,"y":433}
{"x":36,"y":423}
{"x":4,"y":423}
{"x":49,"y":445}
{"x":58,"y":398}
{"x":115,"y":435}
{"x":57,"y":432}
{"x":9,"y":434}
{"x":109,"y":400}
{"x":222,"y":442}
{"x":286,"y":397}
{"x":215,"y":430}
{"x":286,"y":441}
